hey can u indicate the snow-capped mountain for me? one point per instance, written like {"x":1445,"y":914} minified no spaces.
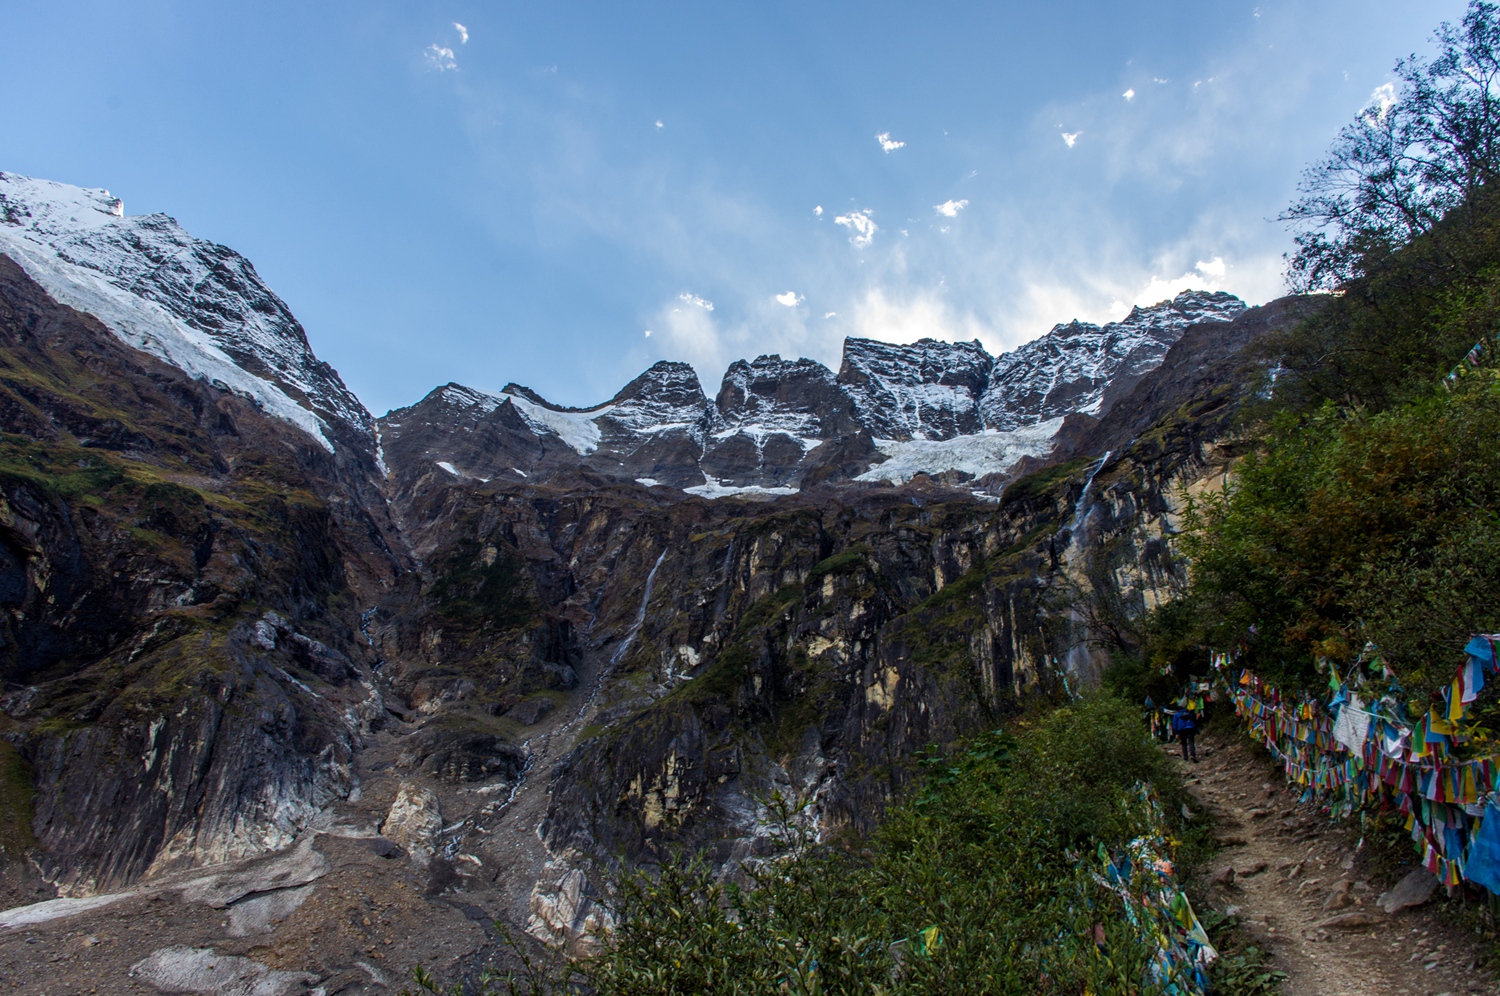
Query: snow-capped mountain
{"x":194,"y":304}
{"x":927,"y":390}
{"x":1068,"y":369}
{"x":892,"y":412}
{"x":655,"y":428}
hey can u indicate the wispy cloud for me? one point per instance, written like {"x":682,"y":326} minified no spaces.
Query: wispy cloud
{"x":950,"y":209}
{"x":1129,"y":94}
{"x":861,"y":224}
{"x":818,"y":210}
{"x":659,"y":124}
{"x":439,"y":57}
{"x":463,"y":33}
{"x":696,"y":301}
{"x":1070,"y":137}
{"x":791,"y":299}
{"x":887,"y":143}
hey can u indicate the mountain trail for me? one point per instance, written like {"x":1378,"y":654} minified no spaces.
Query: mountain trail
{"x":1303,"y":887}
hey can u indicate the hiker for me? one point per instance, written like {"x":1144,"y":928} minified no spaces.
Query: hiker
{"x":1185,"y":725}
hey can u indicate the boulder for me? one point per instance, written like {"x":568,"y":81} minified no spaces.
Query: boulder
{"x":1413,"y":890}
{"x":414,"y":822}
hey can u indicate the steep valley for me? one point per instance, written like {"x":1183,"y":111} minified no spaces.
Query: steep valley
{"x":306,"y":707}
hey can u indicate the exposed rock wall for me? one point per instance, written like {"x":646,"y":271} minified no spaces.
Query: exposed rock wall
{"x":179,"y":580}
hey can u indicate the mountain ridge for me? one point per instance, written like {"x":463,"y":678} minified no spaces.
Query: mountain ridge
{"x":930,"y":407}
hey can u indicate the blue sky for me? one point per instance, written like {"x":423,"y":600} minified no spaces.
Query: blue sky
{"x":525,"y":197}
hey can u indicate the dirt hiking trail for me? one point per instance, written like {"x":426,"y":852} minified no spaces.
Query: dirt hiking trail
{"x":1304,"y":889}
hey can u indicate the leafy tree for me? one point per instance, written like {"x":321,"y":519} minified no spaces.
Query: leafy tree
{"x":1412,"y":157}
{"x":1353,"y":527}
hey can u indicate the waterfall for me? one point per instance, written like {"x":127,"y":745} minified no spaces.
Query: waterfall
{"x":1078,"y":656}
{"x":1081,"y":509}
{"x":640,"y":614}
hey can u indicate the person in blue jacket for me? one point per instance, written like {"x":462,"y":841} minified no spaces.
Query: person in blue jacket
{"x":1185,"y":726}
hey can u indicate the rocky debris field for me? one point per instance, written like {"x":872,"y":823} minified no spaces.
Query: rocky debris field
{"x":1304,"y":888}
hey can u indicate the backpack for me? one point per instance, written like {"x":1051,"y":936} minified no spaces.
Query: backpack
{"x":1182,"y":721}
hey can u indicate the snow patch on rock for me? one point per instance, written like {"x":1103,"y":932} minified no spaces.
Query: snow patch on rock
{"x":987,"y":452}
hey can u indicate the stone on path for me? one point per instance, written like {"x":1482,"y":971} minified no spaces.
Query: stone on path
{"x":1344,"y":921}
{"x":1413,"y":890}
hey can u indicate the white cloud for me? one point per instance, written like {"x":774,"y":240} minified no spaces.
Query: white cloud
{"x":1160,"y":79}
{"x":887,"y":143}
{"x":860,"y":223}
{"x":1069,"y":137}
{"x":1382,"y":99}
{"x":950,"y":208}
{"x":439,"y":57}
{"x":818,"y":210}
{"x":463,"y":33}
{"x":894,"y":316}
{"x":648,"y":333}
{"x":830,"y":314}
{"x":659,"y":123}
{"x":694,"y":299}
{"x":1209,"y":276}
{"x":791,"y":299}
{"x":1129,"y":94}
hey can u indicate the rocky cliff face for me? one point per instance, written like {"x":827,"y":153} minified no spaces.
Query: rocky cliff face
{"x":727,"y":650}
{"x":180,"y":583}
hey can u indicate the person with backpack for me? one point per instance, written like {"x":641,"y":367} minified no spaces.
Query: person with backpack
{"x":1185,"y":726}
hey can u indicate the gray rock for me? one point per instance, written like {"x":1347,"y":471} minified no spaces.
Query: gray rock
{"x":298,"y":866}
{"x":531,"y":712}
{"x":414,"y":821}
{"x":183,"y":969}
{"x":1413,"y":890}
{"x":257,"y":914}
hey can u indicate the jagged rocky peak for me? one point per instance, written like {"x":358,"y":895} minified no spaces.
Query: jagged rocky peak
{"x":769,"y":382}
{"x":926,"y":390}
{"x":1068,"y":369}
{"x":652,"y":430}
{"x":667,"y":395}
{"x":197,"y":305}
{"x":799,"y":397}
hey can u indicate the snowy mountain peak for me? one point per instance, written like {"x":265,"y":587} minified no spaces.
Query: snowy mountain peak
{"x":926,"y":390}
{"x":199,"y":306}
{"x":1068,"y":369}
{"x":51,"y":208}
{"x":667,"y":383}
{"x":894,"y":411}
{"x":776,"y":395}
